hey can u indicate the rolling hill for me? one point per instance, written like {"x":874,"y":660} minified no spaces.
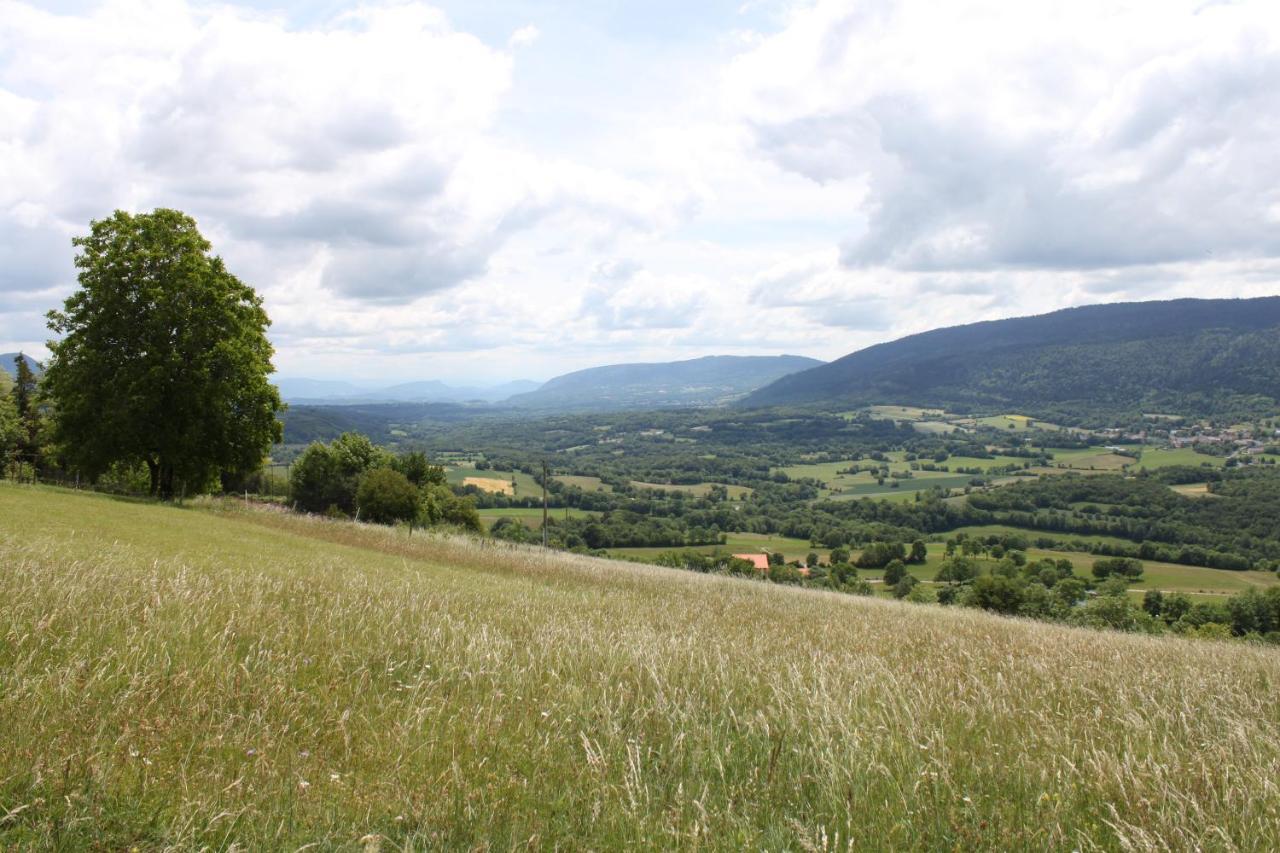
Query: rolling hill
{"x":1198,"y":355}
{"x":708,"y":381}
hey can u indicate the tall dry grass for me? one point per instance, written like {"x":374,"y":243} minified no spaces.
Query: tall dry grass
{"x":216,"y":677}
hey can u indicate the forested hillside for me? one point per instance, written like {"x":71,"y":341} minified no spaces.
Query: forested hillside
{"x":1188,"y":355}
{"x":697,"y":382}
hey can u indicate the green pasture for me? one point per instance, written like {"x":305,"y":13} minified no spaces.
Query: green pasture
{"x":1165,"y":457}
{"x":697,"y":490}
{"x":531,"y":516}
{"x":587,"y":484}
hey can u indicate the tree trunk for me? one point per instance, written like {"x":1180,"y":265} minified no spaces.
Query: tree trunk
{"x":166,"y":481}
{"x":153,"y":469}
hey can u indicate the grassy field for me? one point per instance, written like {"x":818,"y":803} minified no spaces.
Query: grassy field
{"x":907,"y":413}
{"x":698,"y":490}
{"x":587,"y":484}
{"x":1090,"y":459}
{"x":737,"y":543}
{"x":1166,"y":577}
{"x":530,"y":516}
{"x":864,"y":484}
{"x":231,"y":678}
{"x":1166,"y":456}
{"x":983,"y":465}
{"x":1194,"y":490}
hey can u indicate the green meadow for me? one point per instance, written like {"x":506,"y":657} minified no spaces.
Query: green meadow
{"x":216,"y":677}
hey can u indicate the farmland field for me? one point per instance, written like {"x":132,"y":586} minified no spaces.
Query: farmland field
{"x":1166,"y":456}
{"x":257,"y":680}
{"x":697,"y":489}
{"x":530,"y":516}
{"x":1166,"y":577}
{"x":1193,"y":490}
{"x":587,"y":484}
{"x":495,"y":481}
{"x":736,"y":543}
{"x":910,"y":413}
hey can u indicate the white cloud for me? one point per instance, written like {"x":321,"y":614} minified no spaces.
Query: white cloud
{"x":414,"y":201}
{"x":1030,"y":135}
{"x":526,"y":35}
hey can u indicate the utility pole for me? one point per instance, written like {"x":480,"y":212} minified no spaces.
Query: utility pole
{"x":544,"y":503}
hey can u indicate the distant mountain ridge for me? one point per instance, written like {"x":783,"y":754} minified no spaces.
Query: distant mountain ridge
{"x":337,"y":392}
{"x":8,"y":365}
{"x":1123,"y":354}
{"x":708,"y":381}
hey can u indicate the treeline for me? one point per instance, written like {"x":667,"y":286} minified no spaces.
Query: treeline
{"x":1049,"y":590}
{"x":1234,"y":529}
{"x":618,"y":529}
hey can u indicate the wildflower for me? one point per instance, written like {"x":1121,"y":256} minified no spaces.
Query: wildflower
{"x":304,"y":784}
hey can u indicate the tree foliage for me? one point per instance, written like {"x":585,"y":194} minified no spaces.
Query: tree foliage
{"x":163,"y":357}
{"x":328,"y":475}
{"x":386,"y":496}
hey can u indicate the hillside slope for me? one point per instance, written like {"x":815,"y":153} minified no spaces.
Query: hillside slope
{"x":1194,"y":354}
{"x":264,"y":681}
{"x":705,"y":381}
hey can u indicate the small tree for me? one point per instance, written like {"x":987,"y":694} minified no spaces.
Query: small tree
{"x":894,"y":572}
{"x":386,"y":496}
{"x":902,"y":588}
{"x":919,"y":553}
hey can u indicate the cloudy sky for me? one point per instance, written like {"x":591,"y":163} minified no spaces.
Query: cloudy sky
{"x":482,"y":190}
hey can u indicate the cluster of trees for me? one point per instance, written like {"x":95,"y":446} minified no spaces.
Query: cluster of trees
{"x":614,"y":529}
{"x":21,"y":420}
{"x":1235,"y":530}
{"x":350,"y":476}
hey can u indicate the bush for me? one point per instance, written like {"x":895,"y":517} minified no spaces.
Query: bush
{"x":996,"y":592}
{"x":877,"y":555}
{"x":439,"y":505}
{"x":1125,"y":567}
{"x":386,"y":496}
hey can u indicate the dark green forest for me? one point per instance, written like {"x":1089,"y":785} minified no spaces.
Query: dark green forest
{"x":1079,"y":366}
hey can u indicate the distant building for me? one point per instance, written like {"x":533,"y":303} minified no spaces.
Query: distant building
{"x":760,"y":561}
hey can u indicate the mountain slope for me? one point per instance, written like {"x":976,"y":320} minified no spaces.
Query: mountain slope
{"x":1190,"y":352}
{"x":697,"y":382}
{"x":8,"y":365}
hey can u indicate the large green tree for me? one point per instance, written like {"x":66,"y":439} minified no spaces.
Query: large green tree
{"x":162,"y":359}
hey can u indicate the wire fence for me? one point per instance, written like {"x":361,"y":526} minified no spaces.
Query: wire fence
{"x":270,"y":483}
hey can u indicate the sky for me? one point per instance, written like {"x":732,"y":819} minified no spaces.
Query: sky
{"x":485,"y":190}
